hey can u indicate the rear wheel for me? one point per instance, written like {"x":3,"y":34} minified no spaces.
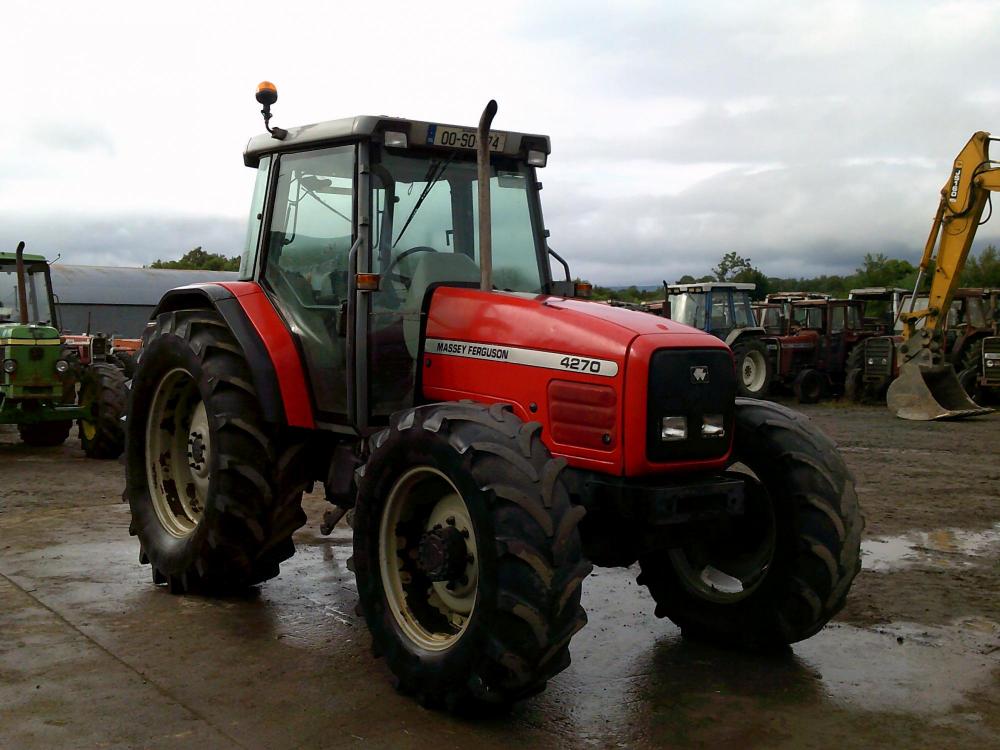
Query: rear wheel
{"x":103,"y":391}
{"x":972,"y":368}
{"x":969,"y":378}
{"x":809,"y":386}
{"x":780,"y":572}
{"x":215,"y":492}
{"x":854,"y":378}
{"x":467,"y":555}
{"x":44,"y":434}
{"x":125,"y":360}
{"x":753,"y":367}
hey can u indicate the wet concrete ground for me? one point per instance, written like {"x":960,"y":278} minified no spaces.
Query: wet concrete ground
{"x":93,"y":655}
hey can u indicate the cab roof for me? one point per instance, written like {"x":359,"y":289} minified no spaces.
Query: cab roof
{"x":373,"y":127}
{"x":28,"y":258}
{"x":704,"y":286}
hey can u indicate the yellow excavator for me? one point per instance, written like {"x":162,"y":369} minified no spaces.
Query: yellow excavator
{"x":927,"y":387}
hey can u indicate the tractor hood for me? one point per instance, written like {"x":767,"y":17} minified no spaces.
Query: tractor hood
{"x":18,"y":333}
{"x":554,"y":324}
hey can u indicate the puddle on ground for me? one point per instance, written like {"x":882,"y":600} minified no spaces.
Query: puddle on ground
{"x":942,"y":548}
{"x":904,"y":667}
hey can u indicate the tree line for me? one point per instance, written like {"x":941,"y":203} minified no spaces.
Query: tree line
{"x":876,"y":269}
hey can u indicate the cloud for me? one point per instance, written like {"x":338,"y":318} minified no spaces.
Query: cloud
{"x":800,"y":134}
{"x":128,"y":240}
{"x":73,"y":137}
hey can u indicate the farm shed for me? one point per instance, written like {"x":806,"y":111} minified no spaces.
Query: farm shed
{"x":116,"y":300}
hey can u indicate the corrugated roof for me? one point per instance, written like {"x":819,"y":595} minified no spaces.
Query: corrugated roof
{"x":117,"y":285}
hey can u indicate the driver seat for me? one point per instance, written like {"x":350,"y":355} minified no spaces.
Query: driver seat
{"x":431,"y":269}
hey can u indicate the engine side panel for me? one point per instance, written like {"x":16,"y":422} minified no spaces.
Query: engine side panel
{"x":578,"y":368}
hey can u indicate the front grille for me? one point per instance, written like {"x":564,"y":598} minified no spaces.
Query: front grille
{"x":878,"y":357}
{"x":98,"y":347}
{"x":991,"y":353}
{"x":677,"y":388}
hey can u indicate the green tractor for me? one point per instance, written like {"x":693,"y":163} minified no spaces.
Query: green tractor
{"x":45,"y":382}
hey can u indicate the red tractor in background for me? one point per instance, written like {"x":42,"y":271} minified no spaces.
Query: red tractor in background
{"x":815,"y":342}
{"x":397,"y":335}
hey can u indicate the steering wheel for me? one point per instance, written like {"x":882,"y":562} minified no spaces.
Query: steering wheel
{"x":406,"y":280}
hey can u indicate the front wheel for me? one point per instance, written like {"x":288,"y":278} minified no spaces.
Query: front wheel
{"x":754,"y":370}
{"x":777,"y":574}
{"x":102,"y":390}
{"x":468,"y":559}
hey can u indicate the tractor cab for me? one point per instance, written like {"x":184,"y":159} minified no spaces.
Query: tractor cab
{"x":390,"y":206}
{"x":723,"y":309}
{"x":40,"y":301}
{"x":720,"y":308}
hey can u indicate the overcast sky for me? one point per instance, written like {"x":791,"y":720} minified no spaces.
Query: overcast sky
{"x":801,"y":134}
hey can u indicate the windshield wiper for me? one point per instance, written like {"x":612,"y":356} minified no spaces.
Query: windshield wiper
{"x":427,"y":189}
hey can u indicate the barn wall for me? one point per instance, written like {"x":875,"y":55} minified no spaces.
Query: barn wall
{"x":118,"y":320}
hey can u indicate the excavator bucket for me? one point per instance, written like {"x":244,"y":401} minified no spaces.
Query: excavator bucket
{"x":925,"y":392}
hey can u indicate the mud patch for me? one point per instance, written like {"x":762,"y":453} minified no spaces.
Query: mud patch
{"x":941,"y":548}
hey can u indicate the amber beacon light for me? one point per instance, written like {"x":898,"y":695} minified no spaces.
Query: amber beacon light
{"x":267,"y":94}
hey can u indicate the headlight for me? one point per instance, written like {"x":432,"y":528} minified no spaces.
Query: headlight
{"x":989,"y":362}
{"x":674,"y":428}
{"x":9,"y":365}
{"x":61,"y":366}
{"x":713,"y":426}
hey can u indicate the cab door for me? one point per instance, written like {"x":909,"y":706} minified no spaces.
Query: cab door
{"x":307,"y":246}
{"x":836,"y":326}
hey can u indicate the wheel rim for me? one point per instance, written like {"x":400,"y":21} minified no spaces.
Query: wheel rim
{"x":178,"y":453}
{"x":753,"y":370}
{"x":432,"y":607}
{"x":732,"y":563}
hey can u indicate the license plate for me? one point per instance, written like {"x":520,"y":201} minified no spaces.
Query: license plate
{"x":439,"y":135}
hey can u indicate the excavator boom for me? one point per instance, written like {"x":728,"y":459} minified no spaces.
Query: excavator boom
{"x":927,"y":386}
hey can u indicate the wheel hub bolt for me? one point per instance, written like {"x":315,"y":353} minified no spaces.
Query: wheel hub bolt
{"x":442,"y":554}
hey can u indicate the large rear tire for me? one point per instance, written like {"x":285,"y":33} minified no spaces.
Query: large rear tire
{"x":467,"y":554}
{"x":810,"y":386}
{"x":854,"y":378}
{"x":972,"y":369}
{"x":44,"y":434}
{"x":754,"y":369}
{"x":215,"y":491}
{"x":783,"y":570}
{"x":103,"y":390}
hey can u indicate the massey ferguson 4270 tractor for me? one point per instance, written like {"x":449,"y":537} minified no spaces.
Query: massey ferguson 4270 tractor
{"x":397,"y":335}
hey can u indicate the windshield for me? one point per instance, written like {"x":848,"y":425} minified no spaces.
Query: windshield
{"x":743,"y":314}
{"x":771,"y":319}
{"x":38,"y":297}
{"x":975,"y":312}
{"x":688,"y":308}
{"x":808,"y":317}
{"x":428,"y":204}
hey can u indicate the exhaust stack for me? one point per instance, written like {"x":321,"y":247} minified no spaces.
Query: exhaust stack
{"x":22,"y":284}
{"x":485,"y":228}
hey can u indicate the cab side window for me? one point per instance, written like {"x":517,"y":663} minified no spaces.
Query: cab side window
{"x":837,"y":319}
{"x":248,"y":261}
{"x":310,"y":237}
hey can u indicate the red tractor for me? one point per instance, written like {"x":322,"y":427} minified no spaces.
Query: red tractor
{"x":397,"y":335}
